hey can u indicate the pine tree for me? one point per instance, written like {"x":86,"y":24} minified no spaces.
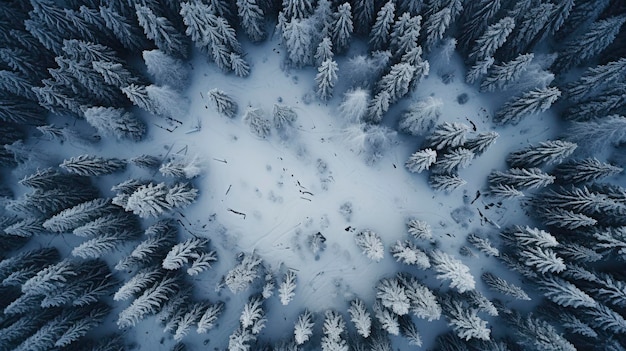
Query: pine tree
{"x":396,"y":82}
{"x":562,"y":218}
{"x":298,"y":35}
{"x":166,"y":69}
{"x":436,"y":25}
{"x":182,"y":253}
{"x":162,"y":32}
{"x":387,"y":319}
{"x":241,"y":276}
{"x":113,"y":222}
{"x":360,"y":317}
{"x":252,"y":312}
{"x":149,"y":302}
{"x":542,"y":260}
{"x":608,"y":103}
{"x":483,"y":245}
{"x":342,"y":27}
{"x":599,"y":134}
{"x":527,"y":236}
{"x":584,"y":171}
{"x":610,"y":290}
{"x":595,"y":79}
{"x":370,"y":244}
{"x":564,"y":293}
{"x":166,"y":101}
{"x":102,"y":245}
{"x":408,"y":253}
{"x":393,"y":296}
{"x":326,"y":79}
{"x":258,"y":125}
{"x":206,"y":322}
{"x":452,"y":269}
{"x":421,"y":116}
{"x":303,"y":329}
{"x":502,"y":75}
{"x":146,"y":161}
{"x":88,"y":165}
{"x":580,"y":48}
{"x":182,"y":167}
{"x":448,"y":135}
{"x":481,"y":142}
{"x":581,"y":200}
{"x":465,"y":322}
{"x":50,"y":178}
{"x":112,"y":121}
{"x":530,"y":28}
{"x":420,"y":230}
{"x":492,"y":39}
{"x":17,"y":269}
{"x":364,"y":12}
{"x":445,"y":182}
{"x":606,"y":319}
{"x":239,"y":65}
{"x":381,"y":30}
{"x":545,"y":153}
{"x":421,"y":160}
{"x":378,"y":106}
{"x":223,"y":103}
{"x":138,"y":95}
{"x":410,"y":332}
{"x":522,"y":178}
{"x":148,"y":200}
{"x":142,"y":280}
{"x":251,"y":15}
{"x":405,"y":34}
{"x":474,"y":20}
{"x":450,"y":162}
{"x":576,"y":326}
{"x":125,"y":30}
{"x":297,"y":8}
{"x":286,"y":290}
{"x":536,"y":334}
{"x":324,"y":51}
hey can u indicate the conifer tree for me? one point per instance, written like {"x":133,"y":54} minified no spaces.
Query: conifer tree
{"x":138,"y":95}
{"x":450,"y":162}
{"x":370,"y":244}
{"x":448,"y":135}
{"x":324,"y":51}
{"x":142,"y":280}
{"x":117,"y":122}
{"x":481,"y":142}
{"x":595,"y":79}
{"x":544,"y":153}
{"x":474,"y":20}
{"x":452,"y":269}
{"x":421,"y":160}
{"x":606,"y":319}
{"x":584,"y":170}
{"x":102,"y":245}
{"x":259,"y":125}
{"x":522,"y":178}
{"x":445,"y":182}
{"x":251,"y":15}
{"x":378,"y":106}
{"x":166,"y":69}
{"x":530,"y":28}
{"x":298,"y":35}
{"x":149,"y":302}
{"x":492,"y":39}
{"x":326,"y":79}
{"x":499,"y":76}
{"x":387,"y":319}
{"x":182,"y":253}
{"x":564,"y":293}
{"x":381,"y":30}
{"x":393,"y":296}
{"x":360,"y":317}
{"x":542,"y":260}
{"x":436,"y":25}
{"x":342,"y":27}
{"x":420,"y":230}
{"x":502,"y":286}
{"x":421,"y":116}
{"x":405,"y":34}
{"x":286,"y":290}
{"x":162,"y":32}
{"x":89,"y":165}
{"x":465,"y":322}
{"x":527,"y":236}
{"x":166,"y":101}
{"x":354,"y":105}
{"x":364,"y":12}
{"x":206,"y":322}
{"x":580,"y":48}
{"x":333,"y":329}
{"x":239,"y":65}
{"x":408,"y":253}
{"x":562,"y":218}
{"x":303,"y":329}
{"x":599,"y":134}
{"x":223,"y":103}
{"x":242,"y":275}
{"x":537,"y":334}
{"x":479,"y":69}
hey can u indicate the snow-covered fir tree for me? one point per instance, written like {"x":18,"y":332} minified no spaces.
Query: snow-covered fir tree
{"x":182,"y":167}
{"x":544,"y":153}
{"x":79,"y":215}
{"x":405,"y":34}
{"x":595,"y":80}
{"x":465,"y":321}
{"x":499,"y":76}
{"x":149,"y":302}
{"x":380,"y":33}
{"x":537,"y":334}
{"x":562,"y":218}
{"x":286,"y":289}
{"x":387,"y":319}
{"x":585,"y":45}
{"x":421,"y":116}
{"x":142,"y":280}
{"x":207,"y":321}
{"x":448,"y":135}
{"x":333,"y":328}
{"x":342,"y":27}
{"x":396,"y":82}
{"x":522,"y":178}
{"x":326,"y":79}
{"x":166,"y":69}
{"x":223,"y":103}
{"x":481,"y":142}
{"x":484,"y":245}
{"x":445,"y":182}
{"x":370,"y":244}
{"x":492,"y":39}
{"x":102,"y":245}
{"x":421,"y":160}
{"x":408,"y":253}
{"x":584,"y":170}
{"x":166,"y":101}
{"x":360,"y":317}
{"x":392,"y":295}
{"x":91,"y":165}
{"x":542,"y":260}
{"x":527,"y":236}
{"x":303,"y":329}
{"x":452,"y":269}
{"x":436,"y":25}
{"x":182,"y":253}
{"x":354,"y":105}
{"x":258,"y":124}
{"x":598,"y":134}
{"x":564,"y":293}
{"x":420,"y":230}
{"x":242,"y":275}
{"x":252,"y":19}
{"x":449,"y":162}
{"x":162,"y":32}
{"x":297,"y":35}
{"x":117,"y":122}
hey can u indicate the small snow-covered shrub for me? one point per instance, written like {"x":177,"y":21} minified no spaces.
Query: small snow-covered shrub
{"x":259,"y":125}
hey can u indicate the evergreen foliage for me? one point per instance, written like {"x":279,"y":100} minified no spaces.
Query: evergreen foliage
{"x":223,"y":103}
{"x":421,"y":160}
{"x":452,"y":269}
{"x":544,"y":153}
{"x":370,"y":244}
{"x":91,"y":165}
{"x":421,"y":116}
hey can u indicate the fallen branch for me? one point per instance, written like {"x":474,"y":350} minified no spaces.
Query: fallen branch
{"x":236,"y":212}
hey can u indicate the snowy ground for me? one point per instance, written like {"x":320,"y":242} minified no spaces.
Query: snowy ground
{"x":269,"y":195}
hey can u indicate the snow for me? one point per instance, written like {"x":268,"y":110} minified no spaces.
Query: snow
{"x":268,"y":195}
